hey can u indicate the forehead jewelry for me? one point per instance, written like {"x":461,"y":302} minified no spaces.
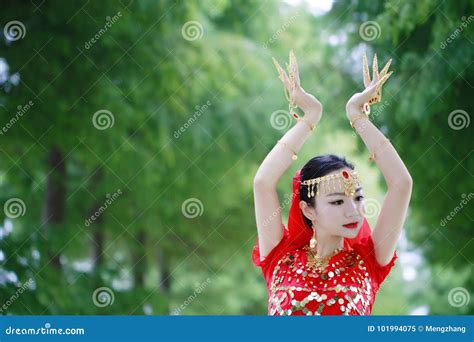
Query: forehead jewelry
{"x":349,"y":180}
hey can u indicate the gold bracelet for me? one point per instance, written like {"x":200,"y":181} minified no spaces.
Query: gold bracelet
{"x":373,"y":155}
{"x":310,"y":124}
{"x":294,"y":157}
{"x":358,"y":117}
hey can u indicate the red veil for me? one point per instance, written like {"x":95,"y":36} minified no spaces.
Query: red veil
{"x":298,"y":233}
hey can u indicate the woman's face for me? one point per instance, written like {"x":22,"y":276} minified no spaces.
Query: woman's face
{"x":334,"y":209}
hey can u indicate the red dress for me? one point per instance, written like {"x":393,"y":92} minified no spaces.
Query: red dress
{"x":347,"y":286}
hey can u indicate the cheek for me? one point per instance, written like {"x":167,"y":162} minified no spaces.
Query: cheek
{"x":330,"y":214}
{"x":361,"y":208}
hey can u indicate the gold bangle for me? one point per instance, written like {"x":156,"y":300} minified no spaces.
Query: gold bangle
{"x":310,"y":125}
{"x":294,"y":156}
{"x":358,"y":117}
{"x":373,"y":155}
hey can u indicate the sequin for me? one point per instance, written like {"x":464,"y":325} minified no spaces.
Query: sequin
{"x":292,"y":292}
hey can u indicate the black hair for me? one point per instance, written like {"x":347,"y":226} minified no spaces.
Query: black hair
{"x":317,"y":167}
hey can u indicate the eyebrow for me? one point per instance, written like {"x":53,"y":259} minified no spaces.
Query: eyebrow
{"x":341,"y":193}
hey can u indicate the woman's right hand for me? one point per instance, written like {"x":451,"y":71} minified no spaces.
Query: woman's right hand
{"x":298,"y":96}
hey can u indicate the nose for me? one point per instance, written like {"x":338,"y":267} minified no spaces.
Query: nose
{"x":351,"y":210}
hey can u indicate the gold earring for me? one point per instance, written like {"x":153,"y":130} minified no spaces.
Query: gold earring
{"x":312,"y":242}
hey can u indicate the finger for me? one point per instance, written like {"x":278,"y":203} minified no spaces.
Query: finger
{"x":282,"y":74}
{"x":375,"y":69}
{"x":384,"y":79}
{"x":373,"y":94}
{"x":296,"y":70}
{"x":365,"y":70}
{"x":385,"y":68}
{"x":291,"y":75}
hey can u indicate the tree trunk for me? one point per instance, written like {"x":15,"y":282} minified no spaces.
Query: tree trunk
{"x":139,"y":260}
{"x":97,"y":225}
{"x":55,"y":197}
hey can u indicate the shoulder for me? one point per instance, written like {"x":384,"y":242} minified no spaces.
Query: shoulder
{"x":365,"y":248}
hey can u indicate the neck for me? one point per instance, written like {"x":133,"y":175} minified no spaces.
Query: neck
{"x":327,"y":244}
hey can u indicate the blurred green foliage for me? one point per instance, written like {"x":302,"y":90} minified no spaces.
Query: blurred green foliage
{"x":190,"y":119}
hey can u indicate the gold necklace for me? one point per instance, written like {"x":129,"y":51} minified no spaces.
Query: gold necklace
{"x":318,"y":262}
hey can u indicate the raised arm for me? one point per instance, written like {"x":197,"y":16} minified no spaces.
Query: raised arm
{"x":267,"y":204}
{"x":399,"y":183}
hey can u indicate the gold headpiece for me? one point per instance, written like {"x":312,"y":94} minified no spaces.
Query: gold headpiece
{"x":349,"y":179}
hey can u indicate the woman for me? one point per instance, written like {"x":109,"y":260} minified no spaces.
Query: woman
{"x":328,"y":261}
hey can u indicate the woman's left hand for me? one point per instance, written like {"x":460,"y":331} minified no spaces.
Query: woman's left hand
{"x":373,"y":88}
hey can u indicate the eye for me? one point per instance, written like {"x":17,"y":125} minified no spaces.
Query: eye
{"x":359,"y":198}
{"x":338,"y":202}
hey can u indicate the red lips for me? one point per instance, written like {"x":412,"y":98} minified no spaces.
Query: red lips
{"x":351,"y":225}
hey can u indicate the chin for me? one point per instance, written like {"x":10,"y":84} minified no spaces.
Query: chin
{"x":351,"y":233}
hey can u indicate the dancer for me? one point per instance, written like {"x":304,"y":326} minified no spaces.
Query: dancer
{"x":328,"y":261}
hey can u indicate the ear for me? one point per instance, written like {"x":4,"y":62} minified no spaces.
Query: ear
{"x":308,"y":212}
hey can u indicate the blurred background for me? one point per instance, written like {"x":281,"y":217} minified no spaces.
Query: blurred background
{"x":131,"y":132}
